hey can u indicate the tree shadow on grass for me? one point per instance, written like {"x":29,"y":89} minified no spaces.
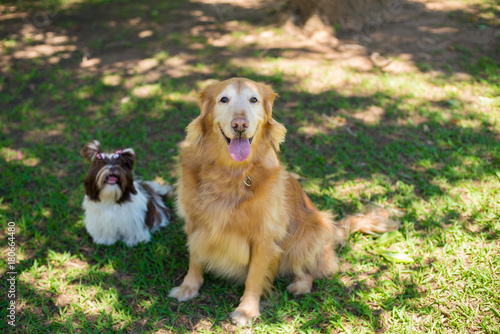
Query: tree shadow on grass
{"x":116,"y":36}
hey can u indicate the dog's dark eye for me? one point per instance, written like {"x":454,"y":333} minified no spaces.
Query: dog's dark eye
{"x":253,"y":99}
{"x":224,"y":100}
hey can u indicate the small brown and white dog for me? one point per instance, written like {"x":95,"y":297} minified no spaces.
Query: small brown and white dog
{"x":116,"y":206}
{"x":246,"y":217}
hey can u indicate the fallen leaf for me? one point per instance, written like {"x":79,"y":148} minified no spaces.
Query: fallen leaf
{"x":389,"y":238}
{"x":393,"y":256}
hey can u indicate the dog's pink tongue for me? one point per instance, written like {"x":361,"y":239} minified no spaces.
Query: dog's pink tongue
{"x":111,"y":179}
{"x":239,"y":148}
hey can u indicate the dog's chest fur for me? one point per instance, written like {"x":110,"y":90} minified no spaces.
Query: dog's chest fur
{"x":108,"y":221}
{"x":224,"y":216}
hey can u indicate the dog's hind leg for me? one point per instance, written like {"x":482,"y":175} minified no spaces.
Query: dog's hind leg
{"x":301,"y":284}
{"x":326,"y":265}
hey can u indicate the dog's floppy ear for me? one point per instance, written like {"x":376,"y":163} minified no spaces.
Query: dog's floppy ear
{"x":275,"y":130}
{"x":268,"y":96}
{"x":196,"y":129}
{"x":129,"y":156}
{"x":89,"y":151}
{"x":206,"y":98}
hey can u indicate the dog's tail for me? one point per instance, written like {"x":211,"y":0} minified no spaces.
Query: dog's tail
{"x":166,"y":191}
{"x":374,"y":220}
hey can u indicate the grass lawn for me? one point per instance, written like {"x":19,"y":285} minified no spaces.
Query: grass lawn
{"x":420,"y":137}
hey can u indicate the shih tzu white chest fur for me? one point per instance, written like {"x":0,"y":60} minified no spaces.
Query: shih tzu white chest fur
{"x":117,"y":207}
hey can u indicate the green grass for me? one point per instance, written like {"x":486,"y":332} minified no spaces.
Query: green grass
{"x":423,"y":143}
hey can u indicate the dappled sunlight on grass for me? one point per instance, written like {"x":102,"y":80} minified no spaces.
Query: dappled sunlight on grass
{"x":419,"y":137}
{"x":9,"y":154}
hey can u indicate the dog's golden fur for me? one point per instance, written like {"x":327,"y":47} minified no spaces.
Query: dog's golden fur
{"x":251,"y":233}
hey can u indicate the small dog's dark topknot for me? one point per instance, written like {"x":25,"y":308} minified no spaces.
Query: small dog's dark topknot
{"x":89,"y":151}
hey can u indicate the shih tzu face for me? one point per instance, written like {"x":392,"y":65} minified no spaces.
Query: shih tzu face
{"x":110,"y":175}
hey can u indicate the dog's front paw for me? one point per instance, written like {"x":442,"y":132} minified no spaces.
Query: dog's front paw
{"x":131,"y":242}
{"x":183,"y":292}
{"x":242,"y":317}
{"x":135,"y":239}
{"x":105,"y":241}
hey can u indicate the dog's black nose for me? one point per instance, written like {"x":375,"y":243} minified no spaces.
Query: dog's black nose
{"x":239,"y":124}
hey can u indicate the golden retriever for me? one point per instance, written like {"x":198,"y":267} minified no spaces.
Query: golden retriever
{"x":246,"y":217}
